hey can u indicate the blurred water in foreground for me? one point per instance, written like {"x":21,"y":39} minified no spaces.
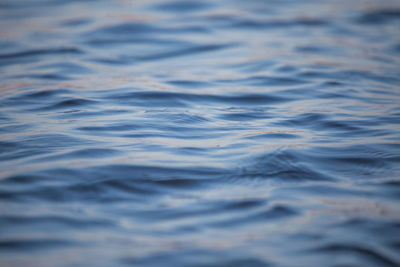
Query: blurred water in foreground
{"x":199,"y":133}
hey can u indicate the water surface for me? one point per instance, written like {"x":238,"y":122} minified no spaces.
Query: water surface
{"x":199,"y":133}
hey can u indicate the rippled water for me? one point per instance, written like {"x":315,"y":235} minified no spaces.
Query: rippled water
{"x":199,"y":133}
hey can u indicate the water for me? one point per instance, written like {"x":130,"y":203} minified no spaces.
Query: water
{"x":199,"y":133}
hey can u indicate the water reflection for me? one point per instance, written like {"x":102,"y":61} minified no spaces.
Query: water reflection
{"x":195,"y":133}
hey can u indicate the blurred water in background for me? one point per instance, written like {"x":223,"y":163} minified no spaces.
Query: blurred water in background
{"x":199,"y":133}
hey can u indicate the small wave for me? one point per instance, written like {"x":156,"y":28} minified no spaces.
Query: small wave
{"x":182,"y":99}
{"x":33,"y":245}
{"x":33,"y":55}
{"x":199,"y":133}
{"x":278,"y":24}
{"x":368,"y":255}
{"x":285,"y":165}
{"x":379,"y":16}
{"x":182,"y":6}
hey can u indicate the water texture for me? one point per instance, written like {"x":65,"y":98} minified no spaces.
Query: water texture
{"x":199,"y":133}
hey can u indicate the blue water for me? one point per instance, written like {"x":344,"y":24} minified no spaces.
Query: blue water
{"x":199,"y":133}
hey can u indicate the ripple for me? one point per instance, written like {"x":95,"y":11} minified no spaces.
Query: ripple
{"x":366,"y":253}
{"x":32,"y":245}
{"x":40,"y":52}
{"x":182,"y":6}
{"x":199,"y":133}
{"x":68,"y":103}
{"x":32,"y":55}
{"x":379,"y":16}
{"x":286,"y":165}
{"x":277,"y":24}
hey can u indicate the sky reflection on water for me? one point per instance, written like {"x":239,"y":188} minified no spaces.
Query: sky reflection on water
{"x":199,"y":133}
